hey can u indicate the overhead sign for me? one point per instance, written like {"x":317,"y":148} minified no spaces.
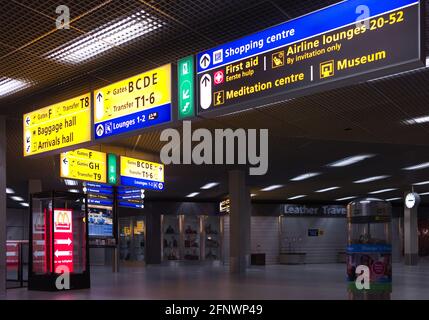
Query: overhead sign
{"x":60,"y":125}
{"x":84,"y":164}
{"x":185,"y":70}
{"x":135,"y":103}
{"x":314,"y":210}
{"x":142,"y":174}
{"x":112,"y":168}
{"x":364,"y":38}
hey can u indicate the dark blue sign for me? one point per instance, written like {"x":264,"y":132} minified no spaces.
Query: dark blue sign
{"x":131,"y":205}
{"x":135,"y":121}
{"x":369,"y":248}
{"x":325,"y":20}
{"x":142,"y":183}
{"x":101,"y":202}
{"x":97,"y":185}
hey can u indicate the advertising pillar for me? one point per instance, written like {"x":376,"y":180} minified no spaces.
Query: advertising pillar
{"x":411,"y":240}
{"x":2,"y":206}
{"x":369,"y":249}
{"x":240,"y":222}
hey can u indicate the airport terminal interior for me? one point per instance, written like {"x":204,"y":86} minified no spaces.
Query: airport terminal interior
{"x":110,"y":115}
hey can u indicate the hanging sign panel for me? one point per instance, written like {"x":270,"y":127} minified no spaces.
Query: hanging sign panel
{"x":84,"y":164}
{"x":135,"y":103}
{"x":142,"y":174}
{"x":364,"y":38}
{"x":58,"y":126}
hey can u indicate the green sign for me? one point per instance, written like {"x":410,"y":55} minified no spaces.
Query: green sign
{"x":112,"y":168}
{"x":186,"y":87}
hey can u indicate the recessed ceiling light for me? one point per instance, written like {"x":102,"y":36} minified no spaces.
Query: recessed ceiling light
{"x":193,"y":194}
{"x":393,"y":199}
{"x":105,"y":38}
{"x":421,"y":183}
{"x":327,"y":189}
{"x":423,"y":165}
{"x":69,"y":182}
{"x":9,"y":191}
{"x":74,"y":190}
{"x":297,"y":197}
{"x":383,"y":191}
{"x":350,"y":160}
{"x":305,"y":176}
{"x":253,"y":195}
{"x":15,"y":198}
{"x":9,"y":86}
{"x":370,"y":179}
{"x":417,"y":120}
{"x":273,"y":187}
{"x":210,"y":185}
{"x":346,"y":198}
{"x":24,"y":204}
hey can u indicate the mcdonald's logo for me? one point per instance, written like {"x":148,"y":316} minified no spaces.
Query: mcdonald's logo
{"x":62,"y":220}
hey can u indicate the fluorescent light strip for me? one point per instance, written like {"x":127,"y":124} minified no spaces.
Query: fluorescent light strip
{"x":305,"y":176}
{"x":417,"y":120}
{"x":273,"y":187}
{"x":350,"y":160}
{"x":69,"y":182}
{"x":393,"y":199}
{"x":210,"y":185}
{"x":421,"y":183}
{"x":253,"y":195}
{"x":9,"y":86}
{"x":193,"y":194}
{"x":297,"y":197}
{"x":15,"y":198}
{"x":9,"y":191}
{"x":370,"y":179}
{"x":346,"y":198}
{"x":105,"y":38}
{"x":74,"y":190}
{"x":327,"y":189}
{"x":24,"y":204}
{"x":424,"y":194}
{"x":383,"y":191}
{"x":417,"y":167}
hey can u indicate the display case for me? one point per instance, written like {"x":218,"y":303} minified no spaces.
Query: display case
{"x":212,"y":238}
{"x":58,"y":243}
{"x":191,"y":237}
{"x":132,"y":239}
{"x":171,"y":238}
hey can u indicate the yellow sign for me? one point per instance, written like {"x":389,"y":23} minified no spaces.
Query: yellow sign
{"x":142,"y":174}
{"x":84,"y":164}
{"x":139,"y":227}
{"x":133,"y":103}
{"x":60,"y":125}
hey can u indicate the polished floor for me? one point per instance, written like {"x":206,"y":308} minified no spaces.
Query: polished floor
{"x":192,"y":282}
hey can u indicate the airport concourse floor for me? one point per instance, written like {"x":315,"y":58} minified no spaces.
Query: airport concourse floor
{"x":193,"y":282}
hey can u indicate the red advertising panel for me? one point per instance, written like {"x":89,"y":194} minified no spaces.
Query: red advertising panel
{"x":63,"y":239}
{"x":40,"y":243}
{"x":12,"y":254}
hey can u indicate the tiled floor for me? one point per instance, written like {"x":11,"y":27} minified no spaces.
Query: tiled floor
{"x":206,"y":282}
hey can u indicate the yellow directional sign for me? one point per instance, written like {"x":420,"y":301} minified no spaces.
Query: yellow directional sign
{"x":134,"y":103}
{"x":142,"y":174}
{"x":84,"y":164}
{"x":60,"y":125}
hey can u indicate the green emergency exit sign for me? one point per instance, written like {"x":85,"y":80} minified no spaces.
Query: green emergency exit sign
{"x":185,"y":70}
{"x":112,"y":173}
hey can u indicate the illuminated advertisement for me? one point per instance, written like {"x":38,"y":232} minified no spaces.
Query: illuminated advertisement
{"x":63,"y":239}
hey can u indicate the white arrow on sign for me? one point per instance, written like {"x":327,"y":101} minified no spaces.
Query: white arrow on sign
{"x":186,"y":94}
{"x":205,"y":61}
{"x":11,"y":254}
{"x":206,"y":91}
{"x":63,"y":241}
{"x":38,"y":254}
{"x":63,"y":253}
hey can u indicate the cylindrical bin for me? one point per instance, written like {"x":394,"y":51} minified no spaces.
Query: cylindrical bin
{"x":369,"y":244}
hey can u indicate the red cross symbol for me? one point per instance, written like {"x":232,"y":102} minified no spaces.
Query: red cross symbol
{"x":218,"y":77}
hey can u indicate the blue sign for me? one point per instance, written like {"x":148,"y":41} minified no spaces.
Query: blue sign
{"x":325,"y":20}
{"x":134,"y":121}
{"x":104,"y":192}
{"x":97,"y":185}
{"x":131,"y":205}
{"x":369,"y":248}
{"x":142,"y":183}
{"x":125,"y":191}
{"x":130,"y":197}
{"x":101,"y":202}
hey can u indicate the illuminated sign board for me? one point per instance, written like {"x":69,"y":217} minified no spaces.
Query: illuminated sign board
{"x":142,"y":174}
{"x":60,"y":125}
{"x":63,"y":239}
{"x":84,"y":164}
{"x":186,"y":98}
{"x":324,"y":49}
{"x":135,"y":103}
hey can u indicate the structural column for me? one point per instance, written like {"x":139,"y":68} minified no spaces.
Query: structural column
{"x":2,"y":206}
{"x":411,"y":241}
{"x":239,"y":222}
